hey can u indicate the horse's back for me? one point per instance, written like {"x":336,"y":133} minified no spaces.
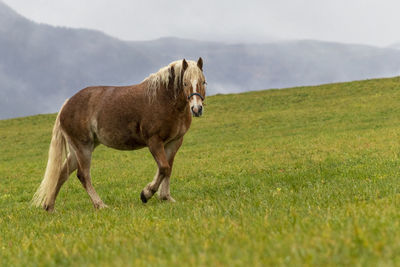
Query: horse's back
{"x":103,"y":114}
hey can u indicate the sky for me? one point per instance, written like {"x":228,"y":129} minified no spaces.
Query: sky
{"x":372,"y":22}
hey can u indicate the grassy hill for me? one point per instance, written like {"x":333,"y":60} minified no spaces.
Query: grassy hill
{"x":306,"y":175}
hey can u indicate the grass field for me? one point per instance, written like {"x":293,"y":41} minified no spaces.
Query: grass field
{"x":302,"y":176}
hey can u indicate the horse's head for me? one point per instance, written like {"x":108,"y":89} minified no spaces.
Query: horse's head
{"x":194,"y":85}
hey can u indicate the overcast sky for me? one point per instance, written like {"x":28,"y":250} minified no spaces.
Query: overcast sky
{"x":374,"y":22}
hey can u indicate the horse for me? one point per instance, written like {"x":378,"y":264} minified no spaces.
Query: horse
{"x":155,"y":113}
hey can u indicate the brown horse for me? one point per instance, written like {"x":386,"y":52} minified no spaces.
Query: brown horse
{"x":155,"y":113}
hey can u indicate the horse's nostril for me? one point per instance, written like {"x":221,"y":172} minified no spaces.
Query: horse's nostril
{"x":200,"y":109}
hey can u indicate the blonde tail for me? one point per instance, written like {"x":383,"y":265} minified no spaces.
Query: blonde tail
{"x":57,"y":154}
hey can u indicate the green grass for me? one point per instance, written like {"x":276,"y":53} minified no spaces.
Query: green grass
{"x":302,"y":176}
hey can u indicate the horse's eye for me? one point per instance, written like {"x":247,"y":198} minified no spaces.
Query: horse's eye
{"x":204,"y":83}
{"x":185,"y":84}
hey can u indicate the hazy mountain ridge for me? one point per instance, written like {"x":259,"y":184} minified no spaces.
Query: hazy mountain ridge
{"x":42,"y":65}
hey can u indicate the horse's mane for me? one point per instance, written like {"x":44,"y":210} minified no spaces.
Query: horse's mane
{"x":161,"y":78}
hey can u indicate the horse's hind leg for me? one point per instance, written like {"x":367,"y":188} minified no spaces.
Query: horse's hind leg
{"x":69,"y":166}
{"x":156,"y":147}
{"x":84,"y":157}
{"x":170,"y":151}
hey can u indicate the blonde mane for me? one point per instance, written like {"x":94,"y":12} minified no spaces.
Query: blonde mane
{"x":161,"y":78}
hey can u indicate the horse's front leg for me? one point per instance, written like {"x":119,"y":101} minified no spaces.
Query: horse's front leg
{"x":170,"y":150}
{"x":156,"y":148}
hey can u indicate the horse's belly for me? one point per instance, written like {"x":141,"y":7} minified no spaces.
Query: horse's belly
{"x":125,"y":145}
{"x":120,"y":140}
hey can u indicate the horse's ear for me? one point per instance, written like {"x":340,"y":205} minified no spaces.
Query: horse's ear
{"x":184,"y":65}
{"x":171,"y":79}
{"x":200,"y":63}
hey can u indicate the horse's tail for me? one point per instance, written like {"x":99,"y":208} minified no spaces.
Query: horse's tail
{"x":57,"y":154}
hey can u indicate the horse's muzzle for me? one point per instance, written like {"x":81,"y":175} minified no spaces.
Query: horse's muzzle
{"x":197,"y":110}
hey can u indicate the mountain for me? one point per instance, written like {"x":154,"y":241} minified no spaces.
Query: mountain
{"x":395,"y":45}
{"x":42,"y":65}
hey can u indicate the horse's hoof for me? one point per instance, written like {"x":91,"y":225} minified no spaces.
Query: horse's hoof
{"x":100,"y":206}
{"x":143,"y":197}
{"x":49,"y":209}
{"x":168,"y":199}
{"x":104,"y":206}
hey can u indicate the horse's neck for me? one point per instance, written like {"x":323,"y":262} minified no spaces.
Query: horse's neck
{"x":181,"y":102}
{"x":167,"y":96}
